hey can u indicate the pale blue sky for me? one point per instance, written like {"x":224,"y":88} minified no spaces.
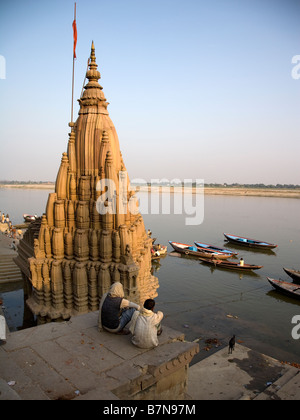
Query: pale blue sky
{"x":200,"y":89}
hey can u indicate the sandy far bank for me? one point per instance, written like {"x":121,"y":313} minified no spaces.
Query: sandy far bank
{"x":30,"y":186}
{"x":242,"y":192}
{"x":255,"y":192}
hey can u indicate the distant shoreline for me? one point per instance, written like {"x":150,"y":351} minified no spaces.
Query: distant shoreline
{"x":29,"y":186}
{"x":254,"y":192}
{"x":230,"y":191}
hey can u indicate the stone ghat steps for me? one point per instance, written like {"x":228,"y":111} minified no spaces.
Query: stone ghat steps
{"x":74,"y":361}
{"x":243,"y":375}
{"x":9,"y":271}
{"x":286,"y":387}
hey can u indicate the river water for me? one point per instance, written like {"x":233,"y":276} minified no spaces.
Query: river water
{"x":202,"y":302}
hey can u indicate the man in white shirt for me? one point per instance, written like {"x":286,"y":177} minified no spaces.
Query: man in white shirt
{"x":145,"y":326}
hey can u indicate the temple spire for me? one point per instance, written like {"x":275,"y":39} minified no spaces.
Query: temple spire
{"x":93,"y":75}
{"x":92,"y":95}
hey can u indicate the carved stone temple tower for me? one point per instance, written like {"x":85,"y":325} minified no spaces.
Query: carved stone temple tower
{"x":92,"y":233}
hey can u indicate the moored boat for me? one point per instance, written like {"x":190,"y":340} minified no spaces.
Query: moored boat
{"x":289,"y":289}
{"x":231,"y":265}
{"x":213,"y":248}
{"x":294,"y":274}
{"x":29,"y":217}
{"x":252,"y":243}
{"x":158,"y":251}
{"x":195,"y":251}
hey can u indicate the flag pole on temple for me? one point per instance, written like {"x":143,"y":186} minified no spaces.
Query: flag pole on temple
{"x":74,"y":56}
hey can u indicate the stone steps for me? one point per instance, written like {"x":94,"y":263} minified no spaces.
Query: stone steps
{"x":286,"y":387}
{"x":9,"y":271}
{"x":244,"y":375}
{"x":73,"y":360}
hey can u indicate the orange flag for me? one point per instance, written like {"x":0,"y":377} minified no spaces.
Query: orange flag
{"x":75,"y":37}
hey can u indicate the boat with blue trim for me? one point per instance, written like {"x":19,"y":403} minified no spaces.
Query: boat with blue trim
{"x":213,"y":248}
{"x":194,"y":251}
{"x":252,"y":243}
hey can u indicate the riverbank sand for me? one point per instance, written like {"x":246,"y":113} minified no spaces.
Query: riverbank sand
{"x":238,"y":191}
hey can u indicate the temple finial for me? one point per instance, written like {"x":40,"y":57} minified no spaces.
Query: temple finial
{"x":90,"y":93}
{"x":93,"y":56}
{"x":93,"y":74}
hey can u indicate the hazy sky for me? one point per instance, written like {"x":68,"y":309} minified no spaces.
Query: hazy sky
{"x":197,"y":89}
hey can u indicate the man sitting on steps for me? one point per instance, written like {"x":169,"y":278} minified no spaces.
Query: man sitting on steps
{"x":145,"y":326}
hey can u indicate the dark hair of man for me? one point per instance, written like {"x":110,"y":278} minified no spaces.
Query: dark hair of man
{"x":149,"y":304}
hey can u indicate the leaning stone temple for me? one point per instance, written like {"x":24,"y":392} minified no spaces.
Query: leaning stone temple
{"x":92,"y":233}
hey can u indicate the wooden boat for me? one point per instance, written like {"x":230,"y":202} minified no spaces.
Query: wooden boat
{"x":195,"y":251}
{"x":29,"y":217}
{"x":231,"y":265}
{"x":294,"y":274}
{"x":213,"y":248}
{"x":289,"y":289}
{"x":158,"y":251}
{"x":252,"y":243}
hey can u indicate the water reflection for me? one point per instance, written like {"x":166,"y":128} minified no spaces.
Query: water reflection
{"x":254,"y":250}
{"x":17,"y":314}
{"x":283,"y":298}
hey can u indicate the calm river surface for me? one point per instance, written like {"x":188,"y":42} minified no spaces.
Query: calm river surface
{"x":197,"y":299}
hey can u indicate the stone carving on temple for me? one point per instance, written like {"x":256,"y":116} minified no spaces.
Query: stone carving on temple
{"x":92,"y":233}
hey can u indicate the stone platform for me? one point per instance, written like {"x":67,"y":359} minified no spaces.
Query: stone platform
{"x":72,"y":360}
{"x":5,"y":246}
{"x":243,"y":375}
